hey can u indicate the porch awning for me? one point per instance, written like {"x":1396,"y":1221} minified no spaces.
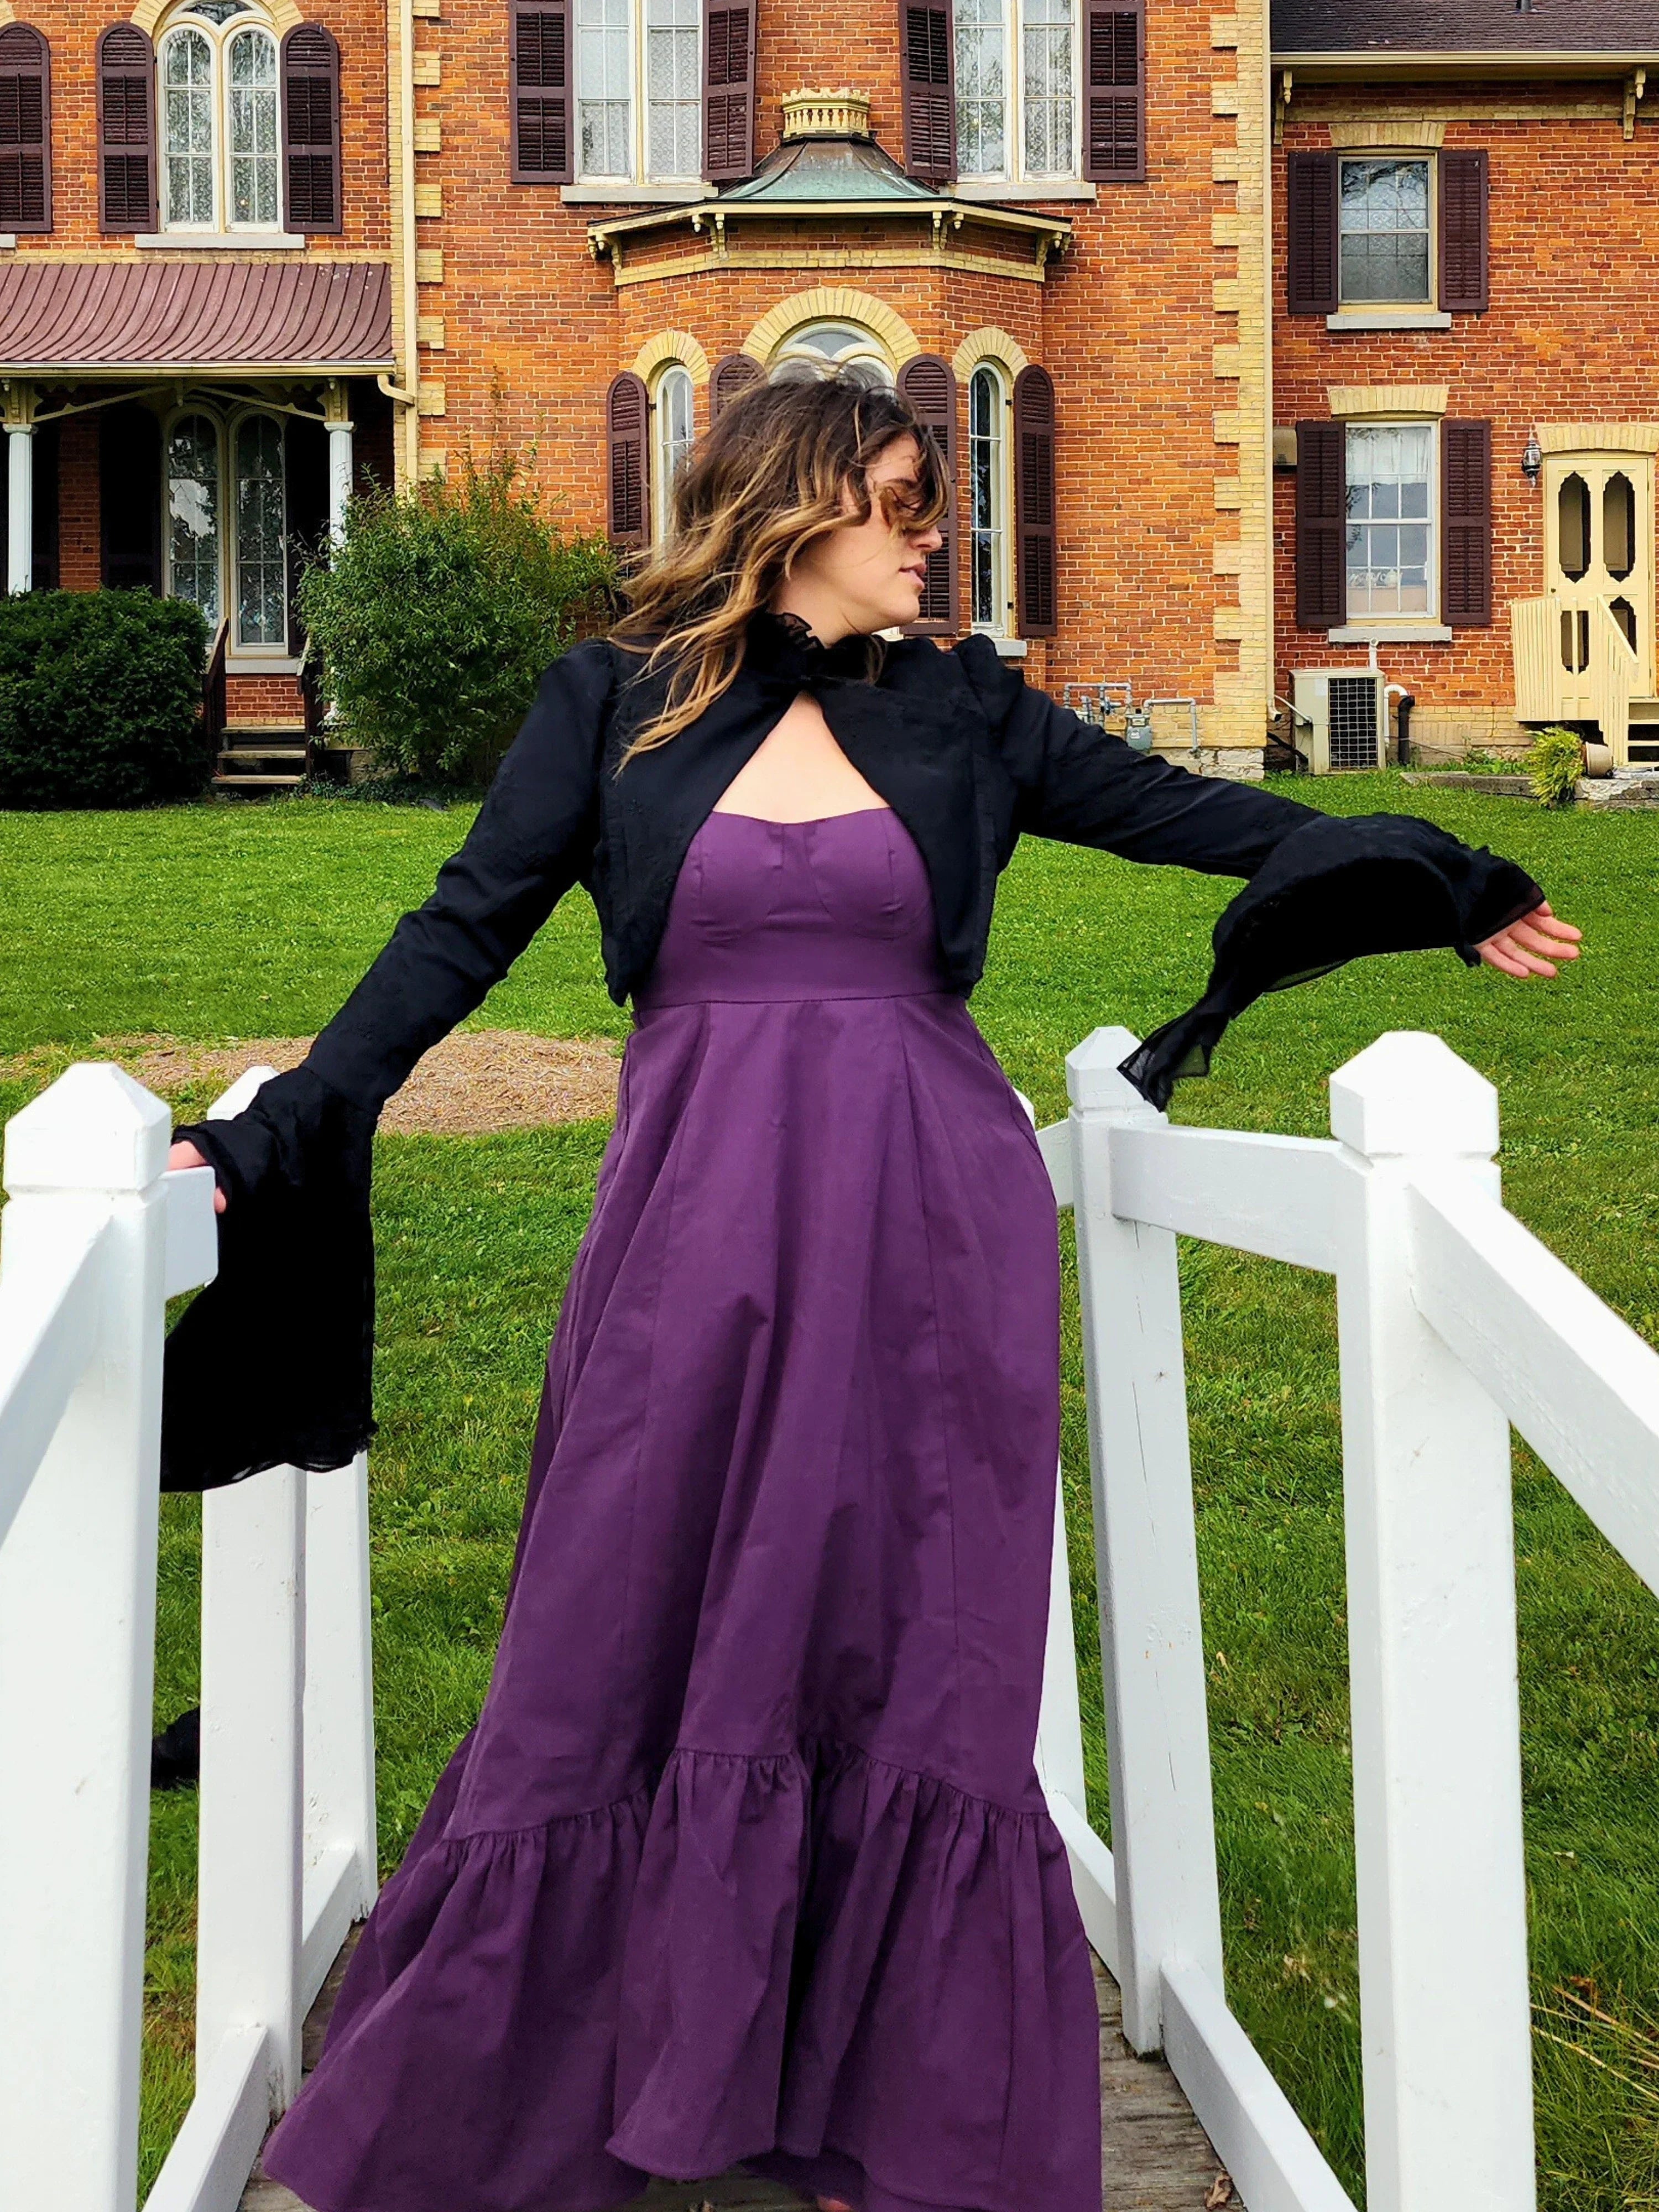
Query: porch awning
{"x":114,"y":317}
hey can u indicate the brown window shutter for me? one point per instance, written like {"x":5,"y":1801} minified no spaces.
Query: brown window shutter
{"x":929,"y":384}
{"x":543,"y":145}
{"x":1322,"y":525}
{"x":127,"y":130}
{"x":1115,"y":111}
{"x":730,"y":376}
{"x":1311,"y":202}
{"x":1466,"y":525}
{"x":311,"y":129}
{"x":1463,"y":288}
{"x":728,"y":88}
{"x":927,"y":84}
{"x":1034,"y":502}
{"x":25,"y":130}
{"x":626,"y":415}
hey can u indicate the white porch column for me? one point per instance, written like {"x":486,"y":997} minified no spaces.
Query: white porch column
{"x":336,"y":415}
{"x":19,"y":487}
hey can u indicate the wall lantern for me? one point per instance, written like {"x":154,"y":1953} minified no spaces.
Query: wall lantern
{"x":1532,"y":460}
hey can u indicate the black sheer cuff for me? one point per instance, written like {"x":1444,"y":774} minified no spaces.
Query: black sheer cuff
{"x":1337,"y":887}
{"x":271,"y":1364}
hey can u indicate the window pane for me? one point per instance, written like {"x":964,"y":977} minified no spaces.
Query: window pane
{"x":674,"y":434}
{"x":982,"y":97}
{"x":192,"y":459}
{"x":1390,"y":554}
{"x":187,"y":130}
{"x":604,"y":107}
{"x":986,"y":498}
{"x":1046,"y":54}
{"x":1384,"y":225}
{"x":253,"y":129}
{"x":261,"y":561}
{"x":673,"y":84}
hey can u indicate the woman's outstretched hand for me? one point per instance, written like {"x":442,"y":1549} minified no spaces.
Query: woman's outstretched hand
{"x":186,"y":1156}
{"x":1533,"y":945}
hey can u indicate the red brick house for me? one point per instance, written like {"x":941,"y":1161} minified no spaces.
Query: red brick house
{"x":1465,"y":382}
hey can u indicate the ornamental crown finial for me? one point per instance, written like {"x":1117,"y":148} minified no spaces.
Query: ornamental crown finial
{"x":826,"y":113}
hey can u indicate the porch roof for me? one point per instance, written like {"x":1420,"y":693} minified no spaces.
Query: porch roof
{"x":109,"y":317}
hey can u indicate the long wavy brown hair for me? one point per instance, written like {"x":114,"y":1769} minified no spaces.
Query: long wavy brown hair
{"x":761,"y":485}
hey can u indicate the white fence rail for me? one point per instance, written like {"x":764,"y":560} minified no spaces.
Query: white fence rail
{"x":1453,"y":1322}
{"x":97,"y":1236}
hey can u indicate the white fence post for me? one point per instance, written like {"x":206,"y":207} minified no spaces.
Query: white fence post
{"x":1157,"y":1740}
{"x":1431,"y":1642}
{"x":77,"y":1633}
{"x":340,"y":1845}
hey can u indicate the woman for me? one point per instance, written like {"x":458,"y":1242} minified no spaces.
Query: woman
{"x":745,"y":1859}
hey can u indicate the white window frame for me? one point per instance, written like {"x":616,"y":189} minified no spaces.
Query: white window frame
{"x":1001,"y":624}
{"x":639,"y":171}
{"x":1431,"y":294}
{"x":664,"y":458}
{"x":867,"y":353}
{"x":1014,"y":170}
{"x":1428,"y":618}
{"x":227,"y":426}
{"x":219,"y":37}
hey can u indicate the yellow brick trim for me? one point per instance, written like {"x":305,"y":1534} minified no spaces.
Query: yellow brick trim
{"x":1228,"y":295}
{"x":1390,"y":131}
{"x":428,"y":68}
{"x":429,"y":400}
{"x":1229,"y":623}
{"x":1228,"y":360}
{"x":429,"y":264}
{"x":1223,"y":30}
{"x":671,"y":345}
{"x":429,"y":135}
{"x":1228,"y":427}
{"x":284,"y":15}
{"x":429,"y":199}
{"x":1224,"y":164}
{"x":1352,"y":400}
{"x":428,"y":9}
{"x":988,"y":344}
{"x":1599,"y":437}
{"x":1224,"y":99}
{"x":429,"y":331}
{"x":832,"y":303}
{"x":1230,"y":230}
{"x":434,"y":461}
{"x":1228,"y":492}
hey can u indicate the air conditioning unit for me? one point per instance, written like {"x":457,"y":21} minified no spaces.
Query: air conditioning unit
{"x":1346,"y":717}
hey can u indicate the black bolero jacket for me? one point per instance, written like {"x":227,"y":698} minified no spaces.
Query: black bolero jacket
{"x":968,"y":755}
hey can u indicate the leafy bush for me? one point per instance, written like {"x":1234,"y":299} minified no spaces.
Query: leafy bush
{"x":101,"y":695}
{"x":1556,"y":765}
{"x":437,"y":614}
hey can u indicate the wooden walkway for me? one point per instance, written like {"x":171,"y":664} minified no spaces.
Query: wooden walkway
{"x":1155,"y":2156}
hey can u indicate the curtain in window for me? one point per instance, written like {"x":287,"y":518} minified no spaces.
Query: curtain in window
{"x":261,"y":565}
{"x":192,"y":515}
{"x":981,"y":88}
{"x":1389,"y":469}
{"x":604,"y":104}
{"x":673,"y":88}
{"x":187,"y":128}
{"x":254,"y":125}
{"x":1046,"y":64}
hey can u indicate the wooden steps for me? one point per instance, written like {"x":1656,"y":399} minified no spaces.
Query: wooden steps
{"x":258,"y":761}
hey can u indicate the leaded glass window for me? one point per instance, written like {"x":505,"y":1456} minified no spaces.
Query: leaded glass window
{"x":255,"y":151}
{"x":192,"y":513}
{"x":1391,"y":531}
{"x":187,"y":161}
{"x":261,"y":552}
{"x":1383,"y":224}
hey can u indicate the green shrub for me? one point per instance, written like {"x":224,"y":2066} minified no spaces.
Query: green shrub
{"x":101,"y":695}
{"x":435,"y":617}
{"x":1556,"y":765}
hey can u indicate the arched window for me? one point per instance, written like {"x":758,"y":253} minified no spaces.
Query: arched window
{"x":987,"y":497}
{"x":219,"y":121}
{"x":226,"y":523}
{"x":822,"y":349}
{"x":674,"y":430}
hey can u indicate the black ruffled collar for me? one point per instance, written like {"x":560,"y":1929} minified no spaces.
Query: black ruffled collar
{"x":785,"y":645}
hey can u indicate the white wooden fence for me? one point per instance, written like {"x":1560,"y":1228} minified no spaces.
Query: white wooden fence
{"x":1454,"y":1322}
{"x":97,"y":1236}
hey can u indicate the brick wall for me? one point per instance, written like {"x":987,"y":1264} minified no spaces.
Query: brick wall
{"x":79,"y":550}
{"x":263,"y":701}
{"x":1574,"y":215}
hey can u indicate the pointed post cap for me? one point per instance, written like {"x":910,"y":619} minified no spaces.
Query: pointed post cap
{"x":94,"y":1129}
{"x":1410,"y":1093}
{"x":1092,"y":1076}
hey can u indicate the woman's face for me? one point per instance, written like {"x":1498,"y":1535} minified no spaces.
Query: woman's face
{"x":868,"y":576}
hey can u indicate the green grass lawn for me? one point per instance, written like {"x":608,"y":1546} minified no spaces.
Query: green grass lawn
{"x":211,"y":923}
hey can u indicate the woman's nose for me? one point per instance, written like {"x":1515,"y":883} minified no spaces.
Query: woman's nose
{"x":929,"y":540}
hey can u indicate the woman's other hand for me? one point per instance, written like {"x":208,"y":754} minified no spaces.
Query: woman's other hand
{"x":1533,"y":945}
{"x":186,"y":1156}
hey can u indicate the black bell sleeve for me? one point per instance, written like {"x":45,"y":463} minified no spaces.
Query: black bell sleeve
{"x":1322,"y":890}
{"x":271,"y":1364}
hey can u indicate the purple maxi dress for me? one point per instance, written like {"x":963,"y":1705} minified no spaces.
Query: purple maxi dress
{"x":746,"y":1860}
